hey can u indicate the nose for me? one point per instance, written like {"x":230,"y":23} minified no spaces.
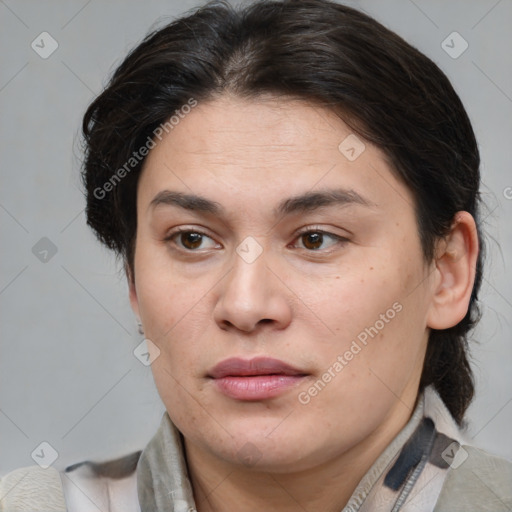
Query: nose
{"x":252,"y":295}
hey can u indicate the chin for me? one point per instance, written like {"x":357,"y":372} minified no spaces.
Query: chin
{"x":279,"y":457}
{"x":272,"y":447}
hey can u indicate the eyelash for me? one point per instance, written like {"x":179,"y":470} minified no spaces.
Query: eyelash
{"x":340,"y":240}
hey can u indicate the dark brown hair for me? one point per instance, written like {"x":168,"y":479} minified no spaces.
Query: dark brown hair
{"x":317,"y":50}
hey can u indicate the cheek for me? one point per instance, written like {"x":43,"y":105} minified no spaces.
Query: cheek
{"x":378,"y":320}
{"x":175,"y":313}
{"x":353,"y":303}
{"x":166,"y":299}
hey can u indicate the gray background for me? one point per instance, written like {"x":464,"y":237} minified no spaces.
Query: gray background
{"x":68,"y":373}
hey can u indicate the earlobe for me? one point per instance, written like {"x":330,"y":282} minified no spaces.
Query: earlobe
{"x":455,"y":263}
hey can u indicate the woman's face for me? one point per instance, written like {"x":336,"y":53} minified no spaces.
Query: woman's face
{"x":279,"y":273}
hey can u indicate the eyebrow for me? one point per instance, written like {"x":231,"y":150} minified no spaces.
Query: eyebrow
{"x":306,"y":202}
{"x":186,"y":201}
{"x":311,"y":201}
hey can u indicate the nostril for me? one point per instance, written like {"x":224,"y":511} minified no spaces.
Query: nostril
{"x":226,"y":324}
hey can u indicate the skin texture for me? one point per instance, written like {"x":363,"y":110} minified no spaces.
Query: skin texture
{"x":303,"y":300}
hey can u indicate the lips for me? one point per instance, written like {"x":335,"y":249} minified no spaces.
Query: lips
{"x":257,"y":366}
{"x":254,"y":379}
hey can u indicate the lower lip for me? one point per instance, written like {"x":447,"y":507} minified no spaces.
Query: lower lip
{"x":256,"y":387}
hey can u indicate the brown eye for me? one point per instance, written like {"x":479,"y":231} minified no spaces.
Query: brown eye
{"x":312,"y":240}
{"x":191,"y":240}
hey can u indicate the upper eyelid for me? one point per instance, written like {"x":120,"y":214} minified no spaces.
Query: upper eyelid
{"x":324,"y":231}
{"x":301,"y":231}
{"x":311,"y":229}
{"x":179,"y":231}
{"x":316,"y":229}
{"x":176,"y":231}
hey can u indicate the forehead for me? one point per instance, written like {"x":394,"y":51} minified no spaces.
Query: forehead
{"x":236,"y":150}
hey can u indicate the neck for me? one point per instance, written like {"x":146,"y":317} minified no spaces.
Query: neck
{"x":250,"y":491}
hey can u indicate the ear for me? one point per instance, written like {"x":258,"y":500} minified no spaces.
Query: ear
{"x":455,"y":261}
{"x":134,"y":301}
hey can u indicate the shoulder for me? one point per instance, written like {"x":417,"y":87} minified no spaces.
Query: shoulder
{"x":477,"y":481}
{"x":111,"y":484}
{"x":32,"y":489}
